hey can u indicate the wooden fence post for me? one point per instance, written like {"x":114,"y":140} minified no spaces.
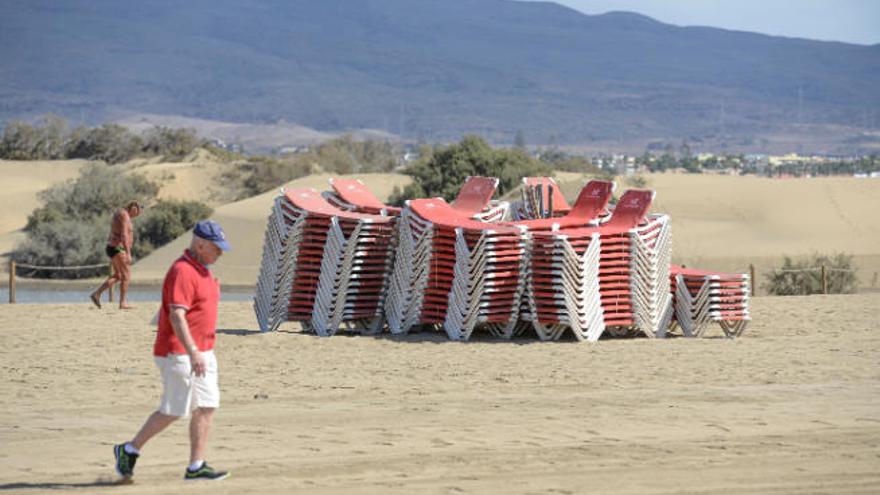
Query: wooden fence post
{"x":752,"y":279}
{"x":11,"y":282}
{"x":110,"y":289}
{"x":824,"y":280}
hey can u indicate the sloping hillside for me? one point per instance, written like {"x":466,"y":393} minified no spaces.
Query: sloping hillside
{"x":437,"y":69}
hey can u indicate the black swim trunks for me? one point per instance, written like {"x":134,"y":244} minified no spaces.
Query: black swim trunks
{"x":113,"y":250}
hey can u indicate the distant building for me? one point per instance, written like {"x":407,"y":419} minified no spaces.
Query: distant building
{"x":231,"y":147}
{"x":292,"y":150}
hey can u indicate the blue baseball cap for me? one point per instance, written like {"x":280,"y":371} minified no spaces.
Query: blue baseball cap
{"x":212,"y":231}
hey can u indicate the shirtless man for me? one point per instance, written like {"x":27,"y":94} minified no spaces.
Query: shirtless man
{"x":119,"y":251}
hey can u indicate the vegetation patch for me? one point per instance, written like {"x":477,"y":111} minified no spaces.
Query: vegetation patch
{"x":442,"y":171}
{"x":72,"y":225}
{"x":52,"y":139}
{"x":801,"y":277}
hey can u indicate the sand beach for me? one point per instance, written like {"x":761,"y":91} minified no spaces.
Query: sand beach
{"x":791,"y":407}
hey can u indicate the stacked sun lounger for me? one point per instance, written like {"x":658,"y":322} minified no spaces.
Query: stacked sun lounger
{"x":541,"y":197}
{"x":703,"y":297}
{"x":455,"y":272}
{"x":562,"y":276}
{"x":620,"y":263}
{"x":475,"y":200}
{"x":331,"y":266}
{"x":563,"y":285}
{"x":346,"y":260}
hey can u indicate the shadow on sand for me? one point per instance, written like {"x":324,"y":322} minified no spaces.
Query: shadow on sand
{"x":48,"y":485}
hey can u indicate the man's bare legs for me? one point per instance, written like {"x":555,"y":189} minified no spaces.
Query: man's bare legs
{"x":122,"y":267}
{"x":123,"y":292}
{"x":199,"y":428}
{"x":96,"y":295}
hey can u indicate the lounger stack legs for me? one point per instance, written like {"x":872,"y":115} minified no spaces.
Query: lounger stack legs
{"x":651,"y":253}
{"x":704,"y":297}
{"x":563,"y":286}
{"x":454,"y":272}
{"x":328,"y":270}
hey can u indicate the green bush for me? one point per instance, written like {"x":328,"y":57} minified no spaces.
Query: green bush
{"x":111,"y":143}
{"x":444,"y":171}
{"x":99,"y":189}
{"x":804,"y":276}
{"x":173,"y":144}
{"x":165,"y":222}
{"x":264,"y":173}
{"x":46,"y":141}
{"x":67,"y":242}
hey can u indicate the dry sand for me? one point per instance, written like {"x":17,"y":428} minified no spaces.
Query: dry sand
{"x":791,"y":407}
{"x":199,"y":177}
{"x":22,"y":182}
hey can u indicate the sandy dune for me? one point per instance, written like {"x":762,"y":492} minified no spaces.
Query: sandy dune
{"x":719,"y":222}
{"x":198,"y":177}
{"x":792,"y":407}
{"x":22,"y":181}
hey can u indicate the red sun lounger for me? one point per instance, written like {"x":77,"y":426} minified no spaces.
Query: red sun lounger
{"x":322,"y":266}
{"x":475,"y":199}
{"x":614,"y":275}
{"x":455,"y":272}
{"x":591,"y":203}
{"x":352,"y":194}
{"x":701,"y":297}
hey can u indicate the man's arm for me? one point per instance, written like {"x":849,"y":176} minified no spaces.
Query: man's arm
{"x":181,"y":330}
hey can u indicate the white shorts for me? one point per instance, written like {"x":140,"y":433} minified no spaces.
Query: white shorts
{"x":182,"y":391}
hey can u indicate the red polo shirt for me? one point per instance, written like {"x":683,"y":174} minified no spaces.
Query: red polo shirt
{"x":188,"y":284}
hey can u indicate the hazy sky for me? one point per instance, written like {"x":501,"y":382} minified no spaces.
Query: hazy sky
{"x":852,"y":21}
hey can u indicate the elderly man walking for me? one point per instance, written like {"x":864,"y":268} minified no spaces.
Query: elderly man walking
{"x":118,"y":249}
{"x":184,"y":353}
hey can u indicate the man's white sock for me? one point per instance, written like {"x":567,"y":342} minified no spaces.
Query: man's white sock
{"x":196,"y":465}
{"x":129,"y":449}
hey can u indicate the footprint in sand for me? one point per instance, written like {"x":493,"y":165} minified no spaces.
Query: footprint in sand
{"x":440,"y":443}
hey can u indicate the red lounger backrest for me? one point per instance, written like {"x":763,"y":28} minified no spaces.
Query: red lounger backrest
{"x":475,"y":194}
{"x":631,"y":209}
{"x":592,"y":200}
{"x":355,"y":192}
{"x":310,"y":200}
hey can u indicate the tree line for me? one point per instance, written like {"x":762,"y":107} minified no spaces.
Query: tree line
{"x":52,"y":138}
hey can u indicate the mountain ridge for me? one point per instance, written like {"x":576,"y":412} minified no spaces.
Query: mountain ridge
{"x":435,"y":70}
